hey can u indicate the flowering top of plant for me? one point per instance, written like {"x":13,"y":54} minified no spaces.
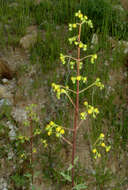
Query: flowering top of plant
{"x":54,"y":128}
{"x":97,"y":146}
{"x":79,"y":78}
{"x":83,"y":19}
{"x":90,"y":110}
{"x":99,"y":84}
{"x":59,"y":90}
{"x":75,"y":62}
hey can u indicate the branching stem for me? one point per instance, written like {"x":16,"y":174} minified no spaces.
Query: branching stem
{"x":85,"y":57}
{"x":68,"y":89}
{"x":71,"y":100}
{"x":68,"y":56}
{"x":87,"y":88}
{"x":67,"y":141}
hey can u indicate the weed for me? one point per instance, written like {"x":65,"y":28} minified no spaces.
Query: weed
{"x":76,"y":63}
{"x":35,"y":131}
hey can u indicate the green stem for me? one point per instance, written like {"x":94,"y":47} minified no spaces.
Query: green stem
{"x":68,"y":89}
{"x":87,"y":88}
{"x":85,"y":57}
{"x":68,"y":56}
{"x":70,"y":100}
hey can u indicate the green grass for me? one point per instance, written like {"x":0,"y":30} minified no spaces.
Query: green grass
{"x":51,"y":18}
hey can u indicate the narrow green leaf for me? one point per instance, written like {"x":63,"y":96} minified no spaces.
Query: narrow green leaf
{"x":80,"y":186}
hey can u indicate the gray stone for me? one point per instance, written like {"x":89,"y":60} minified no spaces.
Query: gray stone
{"x":30,"y":38}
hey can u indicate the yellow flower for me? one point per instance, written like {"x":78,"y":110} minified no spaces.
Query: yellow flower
{"x":62,"y":131}
{"x":98,"y":155}
{"x":26,"y":138}
{"x":73,"y":79}
{"x":49,"y":133}
{"x":47,"y":127}
{"x":22,"y":155}
{"x":80,"y":45}
{"x":108,"y":148}
{"x":74,"y":25}
{"x":21,"y":137}
{"x":103,"y":144}
{"x":101,"y":136}
{"x":85,"y":17}
{"x":80,"y":15}
{"x":34,"y":150}
{"x":58,"y":129}
{"x":96,"y":110}
{"x":94,"y":150}
{"x":84,"y":79}
{"x":78,"y":78}
{"x":51,"y":123}
{"x":90,"y":111}
{"x":86,"y":103}
{"x":83,"y":115}
{"x":95,"y":56}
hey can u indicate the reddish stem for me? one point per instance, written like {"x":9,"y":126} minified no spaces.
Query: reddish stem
{"x":76,"y":110}
{"x":31,"y":144}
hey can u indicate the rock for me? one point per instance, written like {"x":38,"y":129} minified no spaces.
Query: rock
{"x":5,"y":102}
{"x":124,"y":44}
{"x":31,"y":29}
{"x":112,"y":42}
{"x":12,"y":132}
{"x":3,"y":184}
{"x":4,"y":93}
{"x":10,"y":155}
{"x":5,"y":71}
{"x":118,"y":44}
{"x":124,"y":4}
{"x":118,"y":7}
{"x":94,"y":40}
{"x":19,"y":114}
{"x":5,"y":81}
{"x":30,"y":38}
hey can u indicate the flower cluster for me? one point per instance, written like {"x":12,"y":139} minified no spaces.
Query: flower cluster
{"x":98,"y":144}
{"x":34,"y":150}
{"x":37,"y":132}
{"x":62,"y":58}
{"x":78,"y":78}
{"x":54,"y":128}
{"x":81,"y":45}
{"x":44,"y":142}
{"x":84,"y":19}
{"x":72,"y":39}
{"x":31,"y":114}
{"x":71,"y":26}
{"x":72,"y":64}
{"x":23,"y":138}
{"x":23,"y":155}
{"x":90,"y":110}
{"x":93,"y":58}
{"x":58,"y":89}
{"x":99,"y":84}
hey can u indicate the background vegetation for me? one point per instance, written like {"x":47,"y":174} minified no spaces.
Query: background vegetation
{"x":51,"y":18}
